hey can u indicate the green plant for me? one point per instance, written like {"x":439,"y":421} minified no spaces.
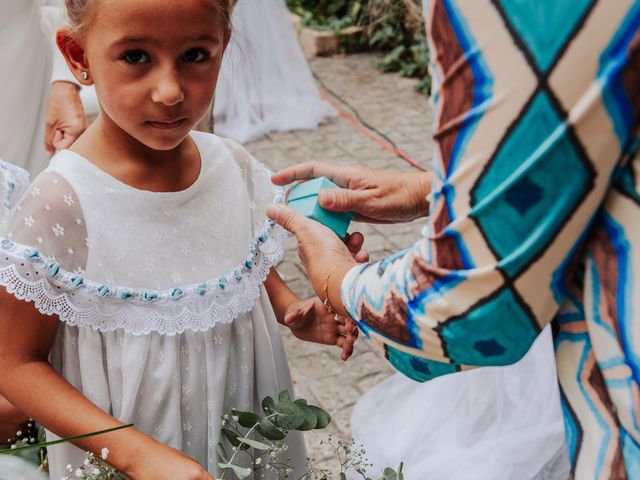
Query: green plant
{"x":257,"y":445}
{"x":391,"y":26}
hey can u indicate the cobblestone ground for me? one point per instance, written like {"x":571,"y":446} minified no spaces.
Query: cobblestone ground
{"x":390,"y":104}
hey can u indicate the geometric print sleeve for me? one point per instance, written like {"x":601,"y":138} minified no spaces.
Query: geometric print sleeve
{"x":537,"y":107}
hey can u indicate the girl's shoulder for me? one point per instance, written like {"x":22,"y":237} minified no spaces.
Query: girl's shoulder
{"x":218,"y":148}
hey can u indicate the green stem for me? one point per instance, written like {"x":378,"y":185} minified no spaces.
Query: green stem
{"x":11,"y":451}
{"x":251,"y":430}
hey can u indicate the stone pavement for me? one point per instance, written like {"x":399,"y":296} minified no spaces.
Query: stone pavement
{"x":391,"y":105}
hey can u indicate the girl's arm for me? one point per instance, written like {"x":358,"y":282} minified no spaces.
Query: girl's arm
{"x":33,"y":386}
{"x":11,"y":420}
{"x":308,"y":319}
{"x":280,"y":295}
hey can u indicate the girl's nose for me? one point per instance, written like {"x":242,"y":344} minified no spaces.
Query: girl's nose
{"x":168,"y":90}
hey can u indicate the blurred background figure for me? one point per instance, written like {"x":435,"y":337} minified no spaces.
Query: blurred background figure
{"x":40,"y":107}
{"x":265,"y":83}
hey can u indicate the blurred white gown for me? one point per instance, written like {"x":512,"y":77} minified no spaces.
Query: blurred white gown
{"x":265,"y":83}
{"x":486,"y":424}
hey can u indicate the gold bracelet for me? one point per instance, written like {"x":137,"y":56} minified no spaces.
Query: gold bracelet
{"x":325,"y":290}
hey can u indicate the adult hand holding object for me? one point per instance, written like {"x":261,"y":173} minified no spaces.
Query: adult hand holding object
{"x":324,"y":256}
{"x":375,"y":196}
{"x":65,"y":119}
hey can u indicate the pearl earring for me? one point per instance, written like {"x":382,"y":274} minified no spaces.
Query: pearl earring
{"x":84,"y":76}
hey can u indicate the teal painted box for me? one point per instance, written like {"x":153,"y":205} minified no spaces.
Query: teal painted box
{"x":303,"y":197}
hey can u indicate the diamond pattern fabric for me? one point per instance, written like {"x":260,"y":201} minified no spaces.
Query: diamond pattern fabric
{"x":535,"y":214}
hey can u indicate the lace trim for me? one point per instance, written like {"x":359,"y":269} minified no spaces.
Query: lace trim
{"x":32,"y":279}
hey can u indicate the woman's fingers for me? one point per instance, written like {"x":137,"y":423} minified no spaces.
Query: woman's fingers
{"x":314,"y":169}
{"x":288,"y":218}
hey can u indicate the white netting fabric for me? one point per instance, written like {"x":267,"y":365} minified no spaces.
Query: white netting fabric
{"x":99,"y":253}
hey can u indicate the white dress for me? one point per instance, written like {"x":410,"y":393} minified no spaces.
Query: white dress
{"x":29,"y":62}
{"x":165,"y":322}
{"x":265,"y":83}
{"x":493,"y":423}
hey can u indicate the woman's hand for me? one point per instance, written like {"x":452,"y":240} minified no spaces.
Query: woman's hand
{"x":162,"y":462}
{"x":375,"y":196}
{"x":65,"y":119}
{"x":310,"y":321}
{"x":324,"y":256}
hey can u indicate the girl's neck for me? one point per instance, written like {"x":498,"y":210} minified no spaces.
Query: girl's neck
{"x":133,"y":163}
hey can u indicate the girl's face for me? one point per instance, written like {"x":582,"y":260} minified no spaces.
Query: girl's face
{"x":155,"y":65}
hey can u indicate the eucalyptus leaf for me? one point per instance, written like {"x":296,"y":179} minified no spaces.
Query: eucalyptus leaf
{"x":284,"y":396}
{"x":254,"y":443}
{"x":324,"y":419}
{"x":269,"y":431}
{"x":390,"y":474}
{"x":290,"y":416}
{"x":269,"y":406}
{"x":222,"y":453}
{"x":233,"y":438}
{"x":310,"y":419}
{"x":247,"y":419}
{"x":240,"y":472}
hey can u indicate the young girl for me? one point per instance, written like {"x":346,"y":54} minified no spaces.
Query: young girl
{"x":144,"y":250}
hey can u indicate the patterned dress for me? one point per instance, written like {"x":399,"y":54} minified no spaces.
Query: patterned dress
{"x":535,"y":214}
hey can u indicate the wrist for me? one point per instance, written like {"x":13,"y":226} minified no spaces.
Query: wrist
{"x":334,"y":287}
{"x":421,"y":188}
{"x":127,"y":448}
{"x":65,"y":85}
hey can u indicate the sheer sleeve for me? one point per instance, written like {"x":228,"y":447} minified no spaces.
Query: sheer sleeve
{"x":261,"y":193}
{"x":49,"y":218}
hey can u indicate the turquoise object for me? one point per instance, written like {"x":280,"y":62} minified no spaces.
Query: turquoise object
{"x":303,"y":197}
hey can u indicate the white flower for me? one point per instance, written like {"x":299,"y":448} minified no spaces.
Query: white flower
{"x":28,"y":221}
{"x":96,"y":471}
{"x":68,"y":199}
{"x":86,"y":461}
{"x":104,"y":454}
{"x":79,"y":473}
{"x":258,"y":461}
{"x":58,"y":230}
{"x":69,"y":467}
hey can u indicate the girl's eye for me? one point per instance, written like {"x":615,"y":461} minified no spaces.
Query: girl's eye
{"x":135,"y":57}
{"x":197,"y":55}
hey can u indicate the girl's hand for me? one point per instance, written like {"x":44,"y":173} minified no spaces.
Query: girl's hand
{"x":162,"y":462}
{"x":310,"y":321}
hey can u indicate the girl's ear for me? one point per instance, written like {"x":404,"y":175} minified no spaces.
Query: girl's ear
{"x":73,"y":53}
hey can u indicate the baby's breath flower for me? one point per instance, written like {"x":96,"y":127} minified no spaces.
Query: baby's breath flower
{"x":105,"y":453}
{"x":79,"y":473}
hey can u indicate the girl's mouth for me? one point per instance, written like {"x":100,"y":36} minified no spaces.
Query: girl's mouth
{"x":167,"y":124}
